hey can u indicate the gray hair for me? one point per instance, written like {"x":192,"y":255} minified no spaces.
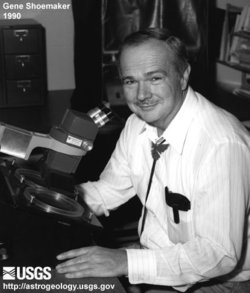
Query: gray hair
{"x":176,"y":46}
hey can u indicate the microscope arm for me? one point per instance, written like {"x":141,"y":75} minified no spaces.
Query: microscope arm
{"x":20,"y":143}
{"x":66,"y":143}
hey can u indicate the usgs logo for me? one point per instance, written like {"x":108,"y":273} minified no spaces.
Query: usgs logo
{"x":26,"y":273}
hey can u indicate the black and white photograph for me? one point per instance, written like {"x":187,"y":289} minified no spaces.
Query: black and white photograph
{"x":125,"y":146}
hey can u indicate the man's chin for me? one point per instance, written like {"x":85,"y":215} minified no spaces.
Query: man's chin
{"x":148,"y":118}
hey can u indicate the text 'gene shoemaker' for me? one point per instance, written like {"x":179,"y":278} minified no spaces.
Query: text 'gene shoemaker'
{"x":36,"y":6}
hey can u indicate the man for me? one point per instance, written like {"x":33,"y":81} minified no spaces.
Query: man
{"x":203,"y":238}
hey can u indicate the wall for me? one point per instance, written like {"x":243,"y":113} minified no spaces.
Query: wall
{"x":225,"y":74}
{"x":222,"y":3}
{"x":59,"y":40}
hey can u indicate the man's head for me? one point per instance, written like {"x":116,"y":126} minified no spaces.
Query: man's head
{"x":154,"y":71}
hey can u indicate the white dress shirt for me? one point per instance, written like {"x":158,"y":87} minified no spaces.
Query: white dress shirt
{"x":208,"y":161}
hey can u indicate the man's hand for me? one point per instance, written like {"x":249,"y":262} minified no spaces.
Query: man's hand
{"x":93,"y":262}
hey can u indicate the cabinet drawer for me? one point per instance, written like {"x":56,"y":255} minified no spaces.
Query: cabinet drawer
{"x":23,"y":40}
{"x":23,"y":66}
{"x":21,"y":92}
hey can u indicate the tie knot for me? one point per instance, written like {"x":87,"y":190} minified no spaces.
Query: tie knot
{"x":158,"y":148}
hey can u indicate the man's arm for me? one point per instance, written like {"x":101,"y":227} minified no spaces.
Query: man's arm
{"x":114,"y":187}
{"x":93,"y":262}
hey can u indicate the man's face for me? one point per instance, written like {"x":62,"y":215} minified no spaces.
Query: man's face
{"x":152,"y":87}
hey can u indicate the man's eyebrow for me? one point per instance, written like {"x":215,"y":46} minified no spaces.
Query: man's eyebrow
{"x":126,"y":77}
{"x":150,"y":73}
{"x":156,"y":71}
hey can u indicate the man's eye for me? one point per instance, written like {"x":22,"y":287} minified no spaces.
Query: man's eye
{"x":156,"y":79}
{"x":128,"y":82}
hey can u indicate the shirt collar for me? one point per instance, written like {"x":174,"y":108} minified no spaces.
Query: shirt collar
{"x":176,"y":132}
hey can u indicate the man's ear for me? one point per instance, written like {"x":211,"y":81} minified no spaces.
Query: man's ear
{"x":185,"y":78}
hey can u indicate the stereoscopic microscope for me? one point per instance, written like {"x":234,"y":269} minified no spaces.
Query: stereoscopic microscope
{"x":47,"y":184}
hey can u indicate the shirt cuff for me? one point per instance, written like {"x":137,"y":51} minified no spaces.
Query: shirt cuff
{"x":141,"y":266}
{"x":93,"y":198}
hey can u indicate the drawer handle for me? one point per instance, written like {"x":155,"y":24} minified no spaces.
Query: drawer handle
{"x":21,"y":34}
{"x":23,"y":59}
{"x":24,"y":85}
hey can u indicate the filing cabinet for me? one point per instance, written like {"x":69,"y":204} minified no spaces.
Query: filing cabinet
{"x":23,"y":74}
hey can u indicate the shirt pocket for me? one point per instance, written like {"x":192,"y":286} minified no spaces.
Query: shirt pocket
{"x":179,"y":232}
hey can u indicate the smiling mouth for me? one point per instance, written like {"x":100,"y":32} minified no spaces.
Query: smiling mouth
{"x":147,"y":106}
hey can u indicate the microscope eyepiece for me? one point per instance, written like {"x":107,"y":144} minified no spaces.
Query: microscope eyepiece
{"x":100,"y":115}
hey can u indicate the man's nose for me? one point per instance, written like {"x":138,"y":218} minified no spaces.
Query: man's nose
{"x":144,"y":91}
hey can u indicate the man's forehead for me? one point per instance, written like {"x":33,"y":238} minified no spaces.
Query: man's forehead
{"x":150,"y":55}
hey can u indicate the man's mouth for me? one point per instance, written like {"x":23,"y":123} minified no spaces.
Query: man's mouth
{"x":147,"y":106}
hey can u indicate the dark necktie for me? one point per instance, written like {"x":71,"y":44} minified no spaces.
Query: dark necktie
{"x":156,"y":150}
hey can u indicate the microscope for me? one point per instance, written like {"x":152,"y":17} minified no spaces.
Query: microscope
{"x":47,"y":185}
{"x":41,"y":212}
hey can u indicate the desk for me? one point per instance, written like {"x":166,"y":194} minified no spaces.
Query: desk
{"x":34,"y":240}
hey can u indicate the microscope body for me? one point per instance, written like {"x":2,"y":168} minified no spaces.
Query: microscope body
{"x":66,"y":143}
{"x":48,"y":182}
{"x":38,"y":192}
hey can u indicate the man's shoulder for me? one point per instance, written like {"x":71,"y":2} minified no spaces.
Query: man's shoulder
{"x":220,"y":125}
